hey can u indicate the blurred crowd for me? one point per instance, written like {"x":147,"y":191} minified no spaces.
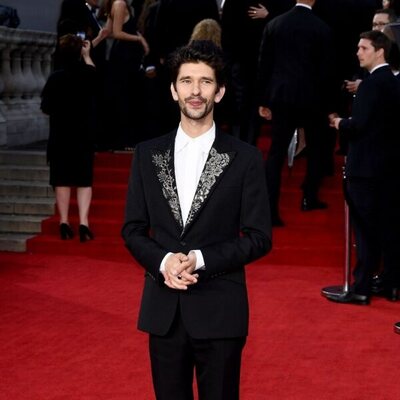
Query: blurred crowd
{"x":131,"y":40}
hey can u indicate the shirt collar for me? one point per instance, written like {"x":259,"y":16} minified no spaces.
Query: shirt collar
{"x":378,"y":66}
{"x":204,"y":141}
{"x":303,"y":5}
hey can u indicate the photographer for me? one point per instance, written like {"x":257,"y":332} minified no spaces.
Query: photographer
{"x":68,"y":98}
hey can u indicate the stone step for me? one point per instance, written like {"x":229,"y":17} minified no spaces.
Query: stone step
{"x":15,"y":242}
{"x":22,"y":173}
{"x":23,"y":157}
{"x":27,"y":206}
{"x":20,"y":223}
{"x":25,"y":189}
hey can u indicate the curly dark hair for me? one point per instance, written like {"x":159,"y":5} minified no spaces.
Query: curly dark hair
{"x":197,"y":51}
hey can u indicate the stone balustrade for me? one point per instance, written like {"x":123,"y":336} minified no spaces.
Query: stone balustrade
{"x":25,"y":64}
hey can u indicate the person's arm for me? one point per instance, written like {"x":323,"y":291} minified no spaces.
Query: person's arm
{"x":136,"y":227}
{"x":103,"y":33}
{"x":264,"y":70}
{"x":258,"y":12}
{"x":119,"y":12}
{"x":86,"y":53}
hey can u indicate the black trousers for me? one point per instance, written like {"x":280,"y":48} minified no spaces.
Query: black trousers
{"x":284,"y":122}
{"x":176,"y":356}
{"x":374,"y":205}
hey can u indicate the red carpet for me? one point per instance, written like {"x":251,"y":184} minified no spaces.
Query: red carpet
{"x":68,"y":311}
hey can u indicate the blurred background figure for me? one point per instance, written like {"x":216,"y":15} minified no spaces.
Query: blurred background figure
{"x":81,"y":18}
{"x":207,"y":29}
{"x":153,"y":97}
{"x":392,"y":4}
{"x":243,"y":22}
{"x":125,"y":76}
{"x":68,"y":98}
{"x":296,"y":91}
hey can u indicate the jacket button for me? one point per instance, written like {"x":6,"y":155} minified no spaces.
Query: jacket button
{"x":183,"y":243}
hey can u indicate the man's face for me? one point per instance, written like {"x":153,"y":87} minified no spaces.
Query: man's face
{"x":367,"y":55}
{"x":196,"y":90}
{"x":379,"y":22}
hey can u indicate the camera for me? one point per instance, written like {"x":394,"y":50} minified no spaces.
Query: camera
{"x":82,"y":35}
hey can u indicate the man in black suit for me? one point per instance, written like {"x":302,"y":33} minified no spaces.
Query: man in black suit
{"x":242,"y":23}
{"x":77,"y":16}
{"x":373,"y":182}
{"x":295,"y":80}
{"x":196,"y":213}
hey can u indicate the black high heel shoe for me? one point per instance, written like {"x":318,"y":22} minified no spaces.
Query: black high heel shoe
{"x":85,"y":233}
{"x":66,"y":231}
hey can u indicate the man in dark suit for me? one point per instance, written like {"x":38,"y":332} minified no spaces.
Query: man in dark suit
{"x":295,"y":80}
{"x":373,"y":182}
{"x":242,"y":23}
{"x":196,"y":213}
{"x":78,"y":16}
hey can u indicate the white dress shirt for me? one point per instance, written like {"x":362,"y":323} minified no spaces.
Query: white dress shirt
{"x":190,"y":158}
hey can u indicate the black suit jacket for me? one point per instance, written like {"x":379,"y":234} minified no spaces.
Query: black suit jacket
{"x":373,"y":130}
{"x":295,"y":66}
{"x":229,"y":223}
{"x":75,"y":17}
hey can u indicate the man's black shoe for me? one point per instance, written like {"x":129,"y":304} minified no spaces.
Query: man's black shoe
{"x":397,"y":327}
{"x":392,"y":294}
{"x":378,"y":289}
{"x":349,"y":298}
{"x":312,"y":204}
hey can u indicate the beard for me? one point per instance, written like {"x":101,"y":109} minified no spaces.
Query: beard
{"x":197,"y":114}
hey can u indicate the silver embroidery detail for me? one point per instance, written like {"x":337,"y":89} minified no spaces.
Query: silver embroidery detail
{"x":214,"y":167}
{"x":166,"y":178}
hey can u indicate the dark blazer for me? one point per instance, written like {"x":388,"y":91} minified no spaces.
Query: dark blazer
{"x":75,"y":17}
{"x":373,"y":130}
{"x":295,"y":66}
{"x":229,"y":223}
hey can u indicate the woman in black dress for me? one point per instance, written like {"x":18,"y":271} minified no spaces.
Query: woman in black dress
{"x":68,"y":98}
{"x":126,"y":75}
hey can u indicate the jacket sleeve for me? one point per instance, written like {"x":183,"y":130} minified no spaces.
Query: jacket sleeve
{"x":364,"y":106}
{"x":135,"y":230}
{"x":255,"y":226}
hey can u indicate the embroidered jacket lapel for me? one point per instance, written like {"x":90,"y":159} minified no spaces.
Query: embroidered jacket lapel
{"x":216,"y":164}
{"x":163,"y":160}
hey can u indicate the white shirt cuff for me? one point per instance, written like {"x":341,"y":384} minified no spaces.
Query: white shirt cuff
{"x":164,"y":260}
{"x":199,"y":260}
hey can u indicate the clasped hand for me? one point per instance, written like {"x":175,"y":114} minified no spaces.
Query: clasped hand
{"x":179,"y":268}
